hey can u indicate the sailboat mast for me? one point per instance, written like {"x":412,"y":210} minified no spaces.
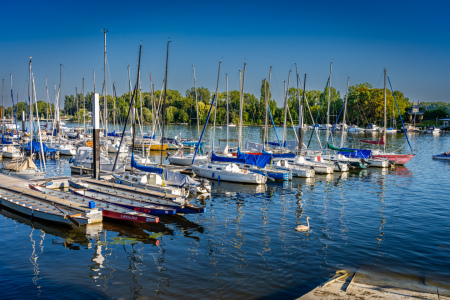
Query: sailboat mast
{"x":300,"y":113}
{"x":30,"y":97}
{"x":196,"y":102}
{"x":329,"y":102}
{"x":84,"y":110}
{"x":285,"y":114}
{"x":114,"y":103}
{"x":3,"y":104}
{"x":78,"y":110}
{"x":164,"y":103}
{"x":240,"y":109}
{"x":384,"y":131}
{"x":105,"y":108}
{"x":345,"y":112}
{"x":215,"y":107}
{"x":267,"y":107}
{"x":48,"y":100}
{"x":58,"y":117}
{"x":228,"y":121}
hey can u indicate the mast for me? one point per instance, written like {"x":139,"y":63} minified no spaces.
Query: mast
{"x":78,"y":110}
{"x":114,"y":103}
{"x":215,"y":107}
{"x":228,"y":121}
{"x":105,"y":108}
{"x":129,"y":90}
{"x":58,"y":117}
{"x":153,"y":109}
{"x":329,"y":101}
{"x":42,"y":158}
{"x":384,"y":131}
{"x":285,"y":114}
{"x":268,"y":107}
{"x":240,"y":109}
{"x":164,"y":103}
{"x":345,"y":112}
{"x":84,"y":110}
{"x":141,"y":123}
{"x":48,"y":99}
{"x":300,"y":112}
{"x":196,"y":103}
{"x":30,"y":98}
{"x":3,"y":105}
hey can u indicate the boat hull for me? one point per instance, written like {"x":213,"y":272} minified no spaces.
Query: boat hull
{"x":249,"y":177}
{"x":441,"y":157}
{"x":398,"y":159}
{"x":129,"y":217}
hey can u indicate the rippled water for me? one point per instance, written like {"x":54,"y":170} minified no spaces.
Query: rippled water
{"x":245,"y":245}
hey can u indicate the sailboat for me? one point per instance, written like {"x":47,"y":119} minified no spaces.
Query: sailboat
{"x":399,"y":159}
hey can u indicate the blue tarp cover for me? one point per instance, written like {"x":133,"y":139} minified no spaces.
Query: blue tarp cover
{"x":358,"y":153}
{"x":114,"y":134}
{"x":134,"y":164}
{"x":227,"y":159}
{"x":37,"y":148}
{"x":284,"y":155}
{"x":4,"y":141}
{"x":255,"y":160}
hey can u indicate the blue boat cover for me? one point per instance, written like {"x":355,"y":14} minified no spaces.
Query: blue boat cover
{"x":37,"y":148}
{"x":273,"y":144}
{"x":227,"y":159}
{"x":114,"y":134}
{"x":11,"y":133}
{"x":135,"y":165}
{"x":255,"y":160}
{"x":357,"y":153}
{"x":4,"y":141}
{"x":281,"y":155}
{"x":149,"y":137}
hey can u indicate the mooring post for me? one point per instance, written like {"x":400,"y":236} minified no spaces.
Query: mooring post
{"x":96,"y":126}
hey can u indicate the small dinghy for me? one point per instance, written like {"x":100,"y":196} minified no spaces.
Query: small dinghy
{"x":443,"y":156}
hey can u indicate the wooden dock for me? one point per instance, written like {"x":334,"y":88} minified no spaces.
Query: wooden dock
{"x":363,"y":285}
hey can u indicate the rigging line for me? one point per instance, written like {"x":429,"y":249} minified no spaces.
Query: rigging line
{"x":401,"y":119}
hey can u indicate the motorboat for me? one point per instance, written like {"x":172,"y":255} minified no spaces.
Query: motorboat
{"x":433,"y":130}
{"x":66,"y":149}
{"x":11,"y":152}
{"x":371,"y":128}
{"x":84,"y":158}
{"x":297,"y":171}
{"x":355,"y":129}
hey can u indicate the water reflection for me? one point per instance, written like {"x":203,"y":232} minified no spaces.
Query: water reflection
{"x":70,"y":237}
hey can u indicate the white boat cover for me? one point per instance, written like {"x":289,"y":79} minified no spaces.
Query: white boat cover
{"x":179,"y":179}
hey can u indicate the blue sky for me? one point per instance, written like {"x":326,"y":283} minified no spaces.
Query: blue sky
{"x":410,"y":38}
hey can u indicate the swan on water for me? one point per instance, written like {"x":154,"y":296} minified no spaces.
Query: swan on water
{"x":303,"y":227}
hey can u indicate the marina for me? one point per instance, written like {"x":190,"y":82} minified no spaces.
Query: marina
{"x":252,"y":150}
{"x":337,"y":239}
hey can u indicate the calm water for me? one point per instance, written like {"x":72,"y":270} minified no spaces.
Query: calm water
{"x":245,"y":245}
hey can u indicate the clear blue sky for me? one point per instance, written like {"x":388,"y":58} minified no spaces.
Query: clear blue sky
{"x":410,"y":38}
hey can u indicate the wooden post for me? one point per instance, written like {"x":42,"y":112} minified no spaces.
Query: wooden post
{"x":96,"y":127}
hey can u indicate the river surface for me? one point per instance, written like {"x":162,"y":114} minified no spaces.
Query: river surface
{"x":245,"y":245}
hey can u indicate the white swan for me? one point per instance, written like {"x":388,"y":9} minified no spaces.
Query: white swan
{"x":303,"y":227}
